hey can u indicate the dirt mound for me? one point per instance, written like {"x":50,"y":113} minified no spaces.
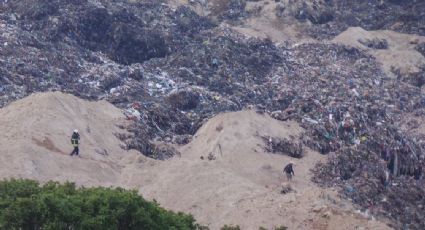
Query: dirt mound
{"x":239,"y":184}
{"x":226,"y":176}
{"x":400,"y":52}
{"x":35,"y":139}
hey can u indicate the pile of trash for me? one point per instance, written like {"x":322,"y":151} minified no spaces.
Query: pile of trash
{"x":416,"y":79}
{"x":222,"y":10}
{"x":172,"y":70}
{"x":88,"y":48}
{"x":361,"y":177}
{"x":231,"y":9}
{"x":375,"y":43}
{"x":285,"y":146}
{"x":330,"y":18}
{"x":316,"y":12}
{"x":421,"y":48}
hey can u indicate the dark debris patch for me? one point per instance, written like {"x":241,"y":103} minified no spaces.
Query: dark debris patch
{"x":285,"y":146}
{"x":421,"y":48}
{"x":401,"y":16}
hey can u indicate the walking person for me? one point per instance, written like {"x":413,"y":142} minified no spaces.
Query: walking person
{"x":75,"y":141}
{"x":289,"y":171}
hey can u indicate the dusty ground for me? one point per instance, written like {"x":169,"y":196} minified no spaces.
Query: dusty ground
{"x":401,"y":53}
{"x":241,"y":186}
{"x":35,"y":139}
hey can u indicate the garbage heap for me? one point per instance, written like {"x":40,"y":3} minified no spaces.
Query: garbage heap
{"x":327,"y":19}
{"x":285,"y":146}
{"x":379,"y":188}
{"x":172,"y":70}
{"x":421,"y":48}
{"x":338,"y":94}
{"x":86,"y":47}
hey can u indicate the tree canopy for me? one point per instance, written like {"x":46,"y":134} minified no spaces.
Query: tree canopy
{"x":25,"y":204}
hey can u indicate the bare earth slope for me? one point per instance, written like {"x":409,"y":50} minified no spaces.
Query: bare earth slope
{"x":400,"y":54}
{"x":35,"y":139}
{"x":241,"y":186}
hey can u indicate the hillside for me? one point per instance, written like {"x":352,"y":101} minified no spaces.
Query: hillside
{"x":240,"y":186}
{"x":36,"y":144}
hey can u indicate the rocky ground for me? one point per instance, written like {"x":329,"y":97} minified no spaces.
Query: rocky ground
{"x":173,"y":65}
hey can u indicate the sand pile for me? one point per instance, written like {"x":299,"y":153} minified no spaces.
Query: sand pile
{"x":35,"y":139}
{"x":398,"y":52}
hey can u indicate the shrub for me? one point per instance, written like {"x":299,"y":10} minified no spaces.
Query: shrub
{"x":230,"y":227}
{"x":24,"y":204}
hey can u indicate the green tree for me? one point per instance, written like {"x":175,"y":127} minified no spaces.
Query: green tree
{"x":24,"y":204}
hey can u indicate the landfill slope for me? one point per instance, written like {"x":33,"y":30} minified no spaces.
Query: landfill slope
{"x":298,"y":21}
{"x":241,"y":185}
{"x":258,"y":19}
{"x":173,"y":65}
{"x":400,"y":53}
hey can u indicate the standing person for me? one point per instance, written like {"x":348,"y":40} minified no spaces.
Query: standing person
{"x":385,"y":177}
{"x":289,"y":171}
{"x":418,"y":172}
{"x":75,"y":141}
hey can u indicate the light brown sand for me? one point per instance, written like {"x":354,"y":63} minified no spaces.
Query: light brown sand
{"x":401,"y":53}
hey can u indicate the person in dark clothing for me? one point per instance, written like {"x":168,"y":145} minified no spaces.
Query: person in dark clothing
{"x":418,"y":172}
{"x":289,"y":171}
{"x":75,"y":141}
